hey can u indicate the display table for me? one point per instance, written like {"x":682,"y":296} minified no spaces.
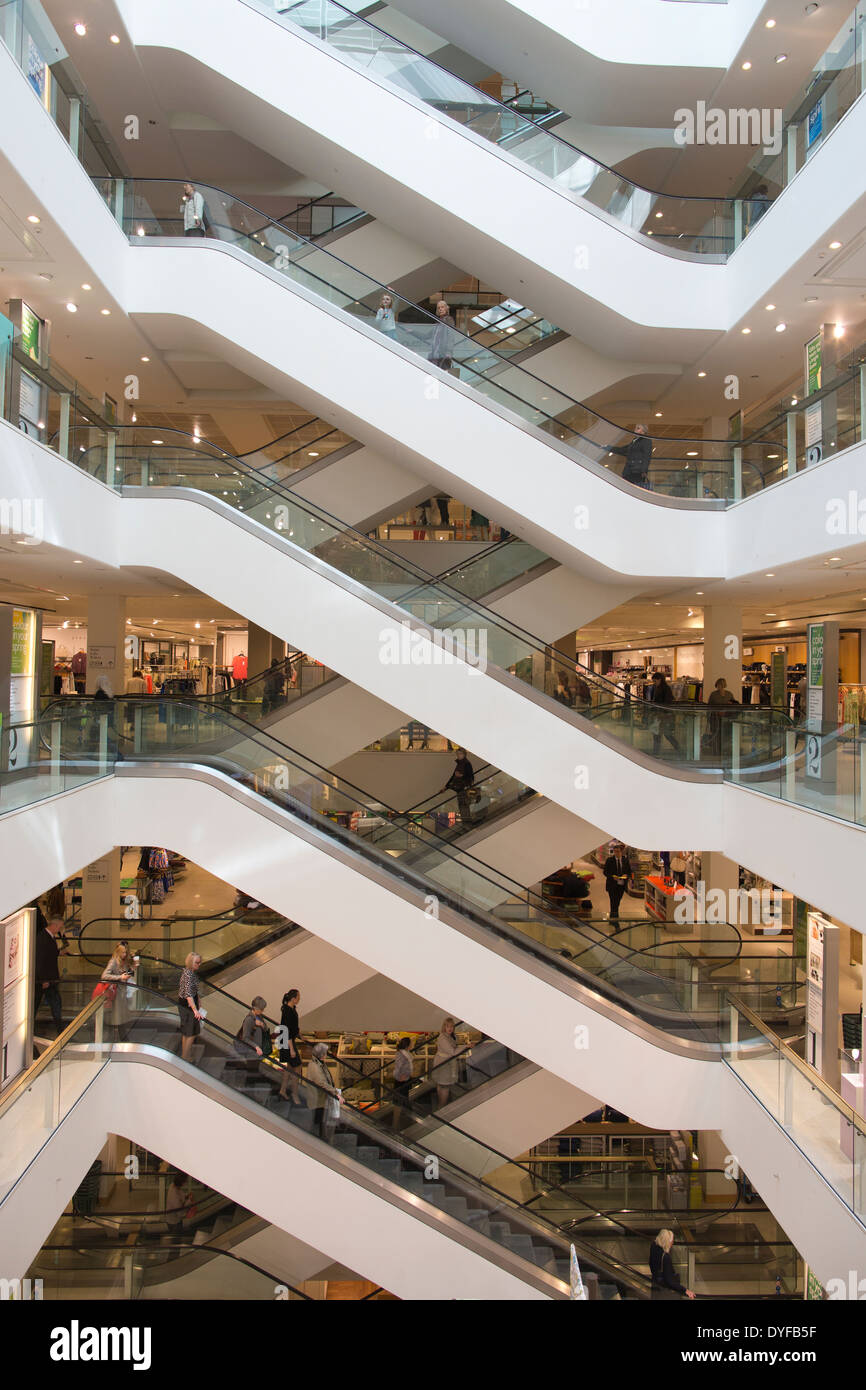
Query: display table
{"x":661,"y":901}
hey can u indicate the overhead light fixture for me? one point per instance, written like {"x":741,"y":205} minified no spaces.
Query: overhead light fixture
{"x":839,"y":330}
{"x":770,"y":24}
{"x":157,"y":441}
{"x":87,"y":287}
{"x":780,"y":327}
{"x":769,"y":615}
{"x":834,"y":559}
{"x":811,"y":299}
{"x":34,"y":219}
{"x":691,"y":454}
{"x":78,"y":562}
{"x":701,"y":373}
{"x":658,"y":214}
{"x":73,"y":308}
{"x":198,"y":624}
{"x":772,"y":456}
{"x":699,"y":593}
{"x":745,"y":66}
{"x":745,"y":330}
{"x":834,"y":245}
{"x":44,"y":276}
{"x":794,"y":400}
{"x":770,"y":576}
{"x":145,"y":359}
{"x":114,"y":38}
{"x":105,"y":312}
{"x":781,"y":57}
{"x":80,"y":29}
{"x":658,"y":415}
{"x":311,"y":453}
{"x":769,"y":306}
{"x":139,"y":231}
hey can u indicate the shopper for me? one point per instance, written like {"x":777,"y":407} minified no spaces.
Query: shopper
{"x":567,"y":886}
{"x":445,"y":1061}
{"x":177,"y":1203}
{"x":461,"y":779}
{"x":582,"y":695}
{"x":720,"y":698}
{"x":444,"y":338}
{"x":187,"y":1004}
{"x":50,"y":946}
{"x":192,"y":207}
{"x":402,"y":1077}
{"x":328,"y":1097}
{"x":637,"y":454}
{"x":442,"y":500}
{"x":290,"y":1029}
{"x":661,"y":694}
{"x":385,"y":320}
{"x":756,"y":206}
{"x":678,"y":867}
{"x":562,"y":693}
{"x":253,"y":1036}
{"x":273,"y":687}
{"x":136,"y":685}
{"x":617,"y":871}
{"x":665,"y":1282}
{"x":120,"y":972}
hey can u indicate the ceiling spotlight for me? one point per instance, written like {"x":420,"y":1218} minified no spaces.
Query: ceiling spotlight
{"x":839,"y":330}
{"x":105,"y":312}
{"x":692,"y":454}
{"x":745,"y":66}
{"x":769,"y":615}
{"x":312,"y":454}
{"x":80,"y":29}
{"x":780,"y":327}
{"x":769,"y":306}
{"x":745,"y":330}
{"x":699,"y":593}
{"x":811,"y":8}
{"x":658,"y":214}
{"x":781,"y":57}
{"x":794,"y":400}
{"x":770,"y":24}
{"x":658,"y":415}
{"x":701,"y":373}
{"x":145,"y":359}
{"x":87,"y":287}
{"x":34,"y":219}
{"x":78,"y":562}
{"x":43,"y":276}
{"x":73,"y":308}
{"x":139,"y":231}
{"x":834,"y":245}
{"x":770,"y":576}
{"x":198,"y":624}
{"x":157,"y":441}
{"x":811,"y":299}
{"x":114,"y":38}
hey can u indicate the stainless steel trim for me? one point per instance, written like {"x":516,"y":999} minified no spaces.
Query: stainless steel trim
{"x":388,"y":1190}
{"x":390,"y":610}
{"x":490,"y":940}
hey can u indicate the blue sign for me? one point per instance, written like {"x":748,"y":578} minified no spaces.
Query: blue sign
{"x":815,"y":124}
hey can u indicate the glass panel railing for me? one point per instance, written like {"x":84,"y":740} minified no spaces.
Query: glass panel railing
{"x":38,"y":1100}
{"x":220,"y":940}
{"x":39,"y":759}
{"x":178,"y":1269}
{"x":815,"y":1117}
{"x":494,"y":568}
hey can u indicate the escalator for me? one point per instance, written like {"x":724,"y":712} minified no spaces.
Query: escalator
{"x":477,"y":1231}
{"x":351,"y":81}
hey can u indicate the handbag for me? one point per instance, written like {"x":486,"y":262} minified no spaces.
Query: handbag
{"x":332,"y":1109}
{"x":104,"y":988}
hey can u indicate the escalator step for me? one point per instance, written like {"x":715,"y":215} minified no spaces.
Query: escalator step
{"x":279,"y":1107}
{"x":367,"y":1155}
{"x":456,"y":1207}
{"x":542,"y":1255}
{"x":389,"y":1167}
{"x":499,"y":1231}
{"x":608,"y":1291}
{"x":521,"y":1245}
{"x":414,"y":1182}
{"x":436,"y":1193}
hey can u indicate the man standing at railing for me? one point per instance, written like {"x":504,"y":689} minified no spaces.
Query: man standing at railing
{"x":637,"y":454}
{"x":192,"y":207}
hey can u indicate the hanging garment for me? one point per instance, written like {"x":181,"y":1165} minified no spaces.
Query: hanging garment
{"x":239,"y":667}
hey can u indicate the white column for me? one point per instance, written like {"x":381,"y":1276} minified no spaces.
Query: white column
{"x":100,"y":896}
{"x":723,"y":647}
{"x":106,"y":634}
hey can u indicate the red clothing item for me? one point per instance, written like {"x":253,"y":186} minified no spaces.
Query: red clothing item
{"x":239,"y":667}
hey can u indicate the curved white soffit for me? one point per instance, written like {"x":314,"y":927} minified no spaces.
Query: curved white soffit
{"x":471,"y":201}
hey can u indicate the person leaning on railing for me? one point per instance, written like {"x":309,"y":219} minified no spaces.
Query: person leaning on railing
{"x":638,"y":455}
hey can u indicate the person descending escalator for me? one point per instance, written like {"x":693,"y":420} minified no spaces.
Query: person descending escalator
{"x":661,"y":724}
{"x":637,"y":454}
{"x":460,"y":781}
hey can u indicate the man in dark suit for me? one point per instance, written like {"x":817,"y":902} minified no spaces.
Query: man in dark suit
{"x":616,"y":876}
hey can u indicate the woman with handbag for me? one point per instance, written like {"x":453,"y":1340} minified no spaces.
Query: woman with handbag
{"x":118,"y":978}
{"x":328,"y":1097}
{"x":445,"y":1061}
{"x":188,"y":1009}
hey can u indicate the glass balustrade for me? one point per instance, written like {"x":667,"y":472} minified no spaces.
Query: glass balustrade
{"x":827,"y":1130}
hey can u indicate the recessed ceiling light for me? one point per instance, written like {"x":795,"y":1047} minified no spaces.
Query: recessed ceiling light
{"x":311,"y":453}
{"x":834,"y":558}
{"x":780,"y":327}
{"x":105,"y":312}
{"x":145,"y":359}
{"x":745,"y":66}
{"x":839,"y":330}
{"x":769,"y":306}
{"x":73,"y":308}
{"x":745,"y":330}
{"x":658,"y":214}
{"x":701,"y":373}
{"x":34,"y":219}
{"x":811,"y":299}
{"x":44,"y":276}
{"x":692,"y":454}
{"x":769,"y":615}
{"x":80,"y":29}
{"x":157,"y":441}
{"x":794,"y":400}
{"x":658,"y":415}
{"x":198,"y":624}
{"x":114,"y":38}
{"x":781,"y":57}
{"x":770,"y":576}
{"x":770,"y":24}
{"x":87,"y":287}
{"x":772,"y":456}
{"x":834,"y":245}
{"x":78,"y":562}
{"x":699,"y":593}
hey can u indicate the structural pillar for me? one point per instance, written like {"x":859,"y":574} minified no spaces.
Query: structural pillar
{"x":723,"y":647}
{"x":106,"y":636}
{"x":100,"y":895}
{"x":262,"y":647}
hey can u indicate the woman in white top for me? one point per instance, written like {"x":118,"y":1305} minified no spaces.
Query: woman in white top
{"x":192,"y":207}
{"x":445,"y":1061}
{"x":385,"y":320}
{"x":120,"y":971}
